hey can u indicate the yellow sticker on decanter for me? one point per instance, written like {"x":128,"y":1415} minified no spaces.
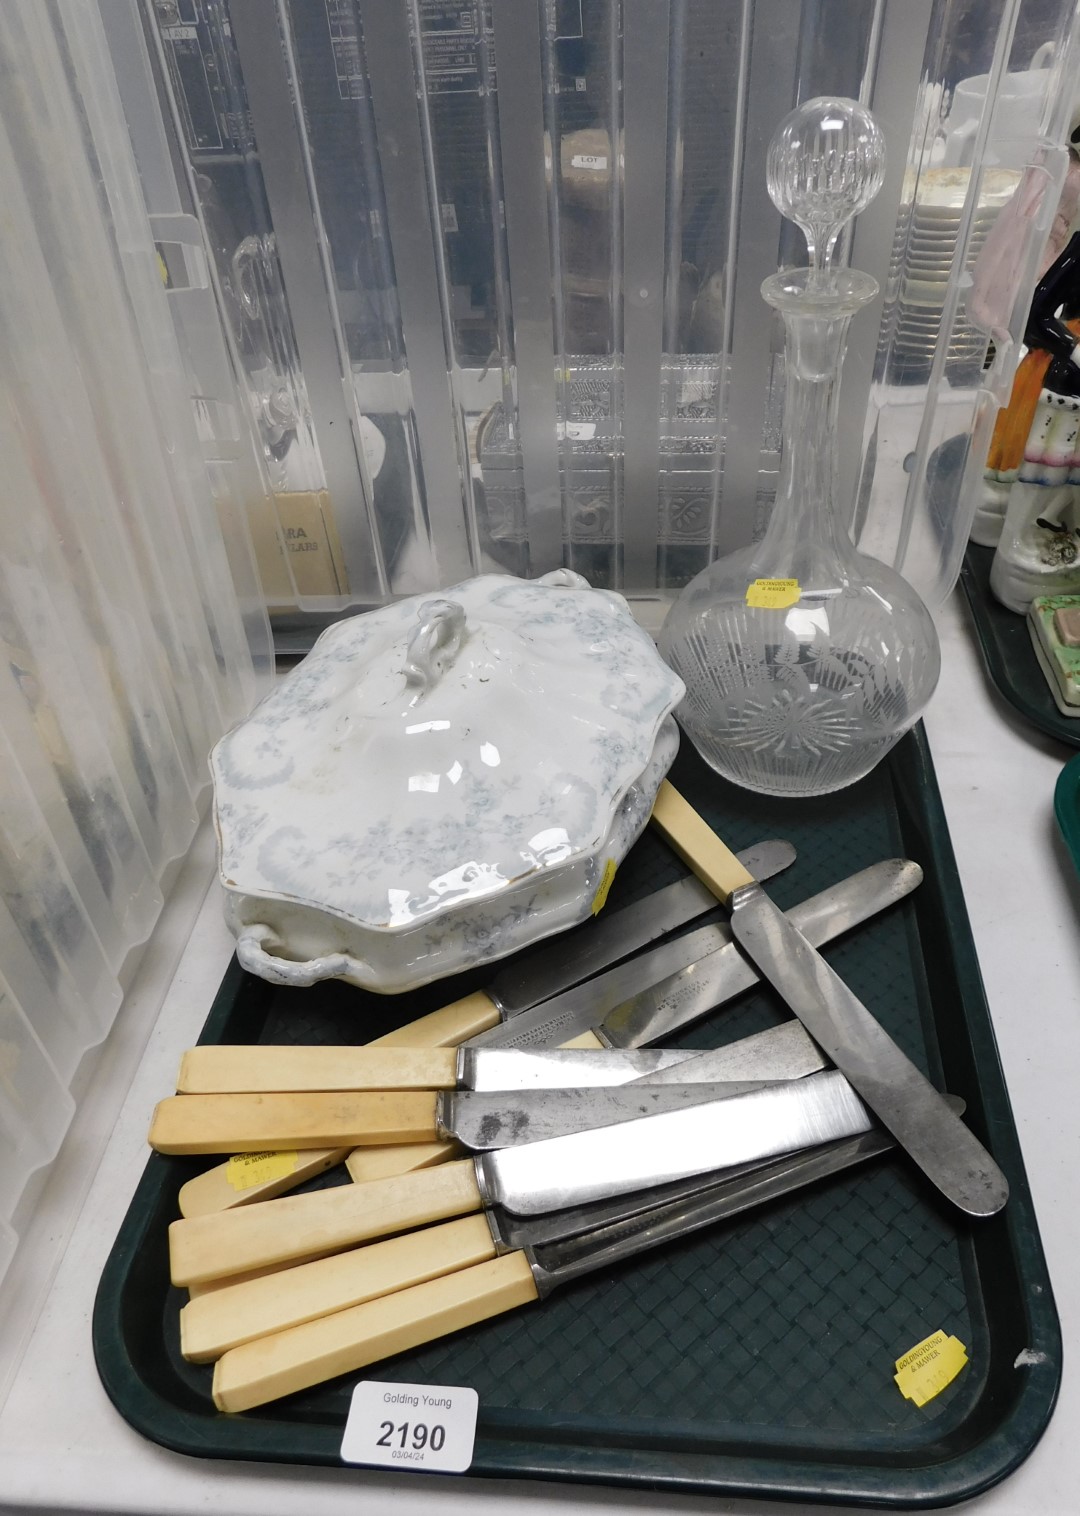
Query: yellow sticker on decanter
{"x":773,"y":594}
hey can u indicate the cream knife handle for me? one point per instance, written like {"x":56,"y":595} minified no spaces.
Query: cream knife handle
{"x":296,"y":1226}
{"x":258,"y":1123}
{"x":227,"y":1069}
{"x":697,"y":844}
{"x":211,"y":1324}
{"x":248,"y":1177}
{"x":301,"y":1356}
{"x":365,"y":1164}
{"x":583,"y":1040}
{"x":212,"y":1191}
{"x":445,"y":1028}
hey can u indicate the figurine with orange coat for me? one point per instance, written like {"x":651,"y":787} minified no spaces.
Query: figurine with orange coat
{"x":1034,"y":459}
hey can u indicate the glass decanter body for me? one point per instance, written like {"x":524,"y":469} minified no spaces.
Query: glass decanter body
{"x":804,"y":660}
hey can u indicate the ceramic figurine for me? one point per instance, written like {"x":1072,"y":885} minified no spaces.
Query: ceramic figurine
{"x":1036,"y":450}
{"x":998,"y":271}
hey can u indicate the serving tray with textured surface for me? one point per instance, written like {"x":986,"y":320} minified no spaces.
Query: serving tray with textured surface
{"x":756,"y":1357}
{"x":1067,"y":807}
{"x":1010,"y":659}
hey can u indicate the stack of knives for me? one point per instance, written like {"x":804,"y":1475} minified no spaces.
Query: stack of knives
{"x":527,"y":1135}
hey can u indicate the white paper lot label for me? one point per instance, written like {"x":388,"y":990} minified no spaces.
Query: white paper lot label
{"x":411,"y":1426}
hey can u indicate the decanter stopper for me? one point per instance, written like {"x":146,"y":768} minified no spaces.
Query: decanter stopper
{"x":825,"y":164}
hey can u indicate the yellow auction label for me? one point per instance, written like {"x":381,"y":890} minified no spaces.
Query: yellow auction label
{"x":773,"y":594}
{"x":926,"y":1369}
{"x":245,"y":1170}
{"x":600,"y":898}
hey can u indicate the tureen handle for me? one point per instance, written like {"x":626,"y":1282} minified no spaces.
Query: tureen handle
{"x":564,"y":579}
{"x":434,"y":642}
{"x":254,"y":957}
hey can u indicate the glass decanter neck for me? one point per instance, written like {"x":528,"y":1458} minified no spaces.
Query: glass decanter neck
{"x":805,"y":532}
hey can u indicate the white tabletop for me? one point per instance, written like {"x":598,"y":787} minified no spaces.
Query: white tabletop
{"x":63,"y":1447}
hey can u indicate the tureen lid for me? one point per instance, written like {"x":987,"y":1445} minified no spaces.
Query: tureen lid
{"x":441,"y":749}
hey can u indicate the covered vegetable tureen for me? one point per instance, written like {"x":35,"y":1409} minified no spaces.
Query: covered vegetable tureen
{"x":441,"y":782}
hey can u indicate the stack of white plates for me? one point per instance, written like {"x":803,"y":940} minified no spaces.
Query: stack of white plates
{"x":928,"y":229}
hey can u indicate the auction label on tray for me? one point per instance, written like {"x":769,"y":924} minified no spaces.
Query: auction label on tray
{"x":411,"y":1426}
{"x":927,"y":1368}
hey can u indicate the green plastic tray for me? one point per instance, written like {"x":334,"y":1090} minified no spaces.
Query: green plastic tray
{"x":1067,"y":807}
{"x":755,"y":1358}
{"x":1009,"y":656}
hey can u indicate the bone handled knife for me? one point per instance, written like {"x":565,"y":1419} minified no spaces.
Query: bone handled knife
{"x":223,"y":1068}
{"x":945,"y":1149}
{"x":322,"y":1320}
{"x":780,"y":1053}
{"x":246,"y":1099}
{"x":212,"y":1323}
{"x":535,"y":1177}
{"x":472,"y":1119}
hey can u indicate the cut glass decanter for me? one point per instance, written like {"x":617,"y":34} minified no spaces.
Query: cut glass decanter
{"x":805,"y":660}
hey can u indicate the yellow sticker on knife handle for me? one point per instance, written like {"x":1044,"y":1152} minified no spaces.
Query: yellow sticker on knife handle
{"x":773,"y":594}
{"x":245,"y":1170}
{"x":600,"y":898}
{"x":927,"y":1368}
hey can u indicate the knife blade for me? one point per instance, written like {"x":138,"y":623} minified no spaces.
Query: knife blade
{"x":322,"y":1319}
{"x":780,"y":1052}
{"x":637,"y":1154}
{"x":661,"y":1009}
{"x":482,"y":1121}
{"x":672,"y":985}
{"x":555,"y":965}
{"x":560,"y":1256}
{"x":536,"y":1177}
{"x":949,"y":1154}
{"x":769,"y":1057}
{"x":729,"y":1186}
{"x":493,"y":1118}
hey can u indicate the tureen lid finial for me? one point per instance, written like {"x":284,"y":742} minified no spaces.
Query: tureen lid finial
{"x":433,"y":642}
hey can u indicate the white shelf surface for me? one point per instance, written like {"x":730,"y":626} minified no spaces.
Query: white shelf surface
{"x":64,"y":1448}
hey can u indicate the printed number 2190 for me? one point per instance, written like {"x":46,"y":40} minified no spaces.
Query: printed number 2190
{"x":422,"y":1436}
